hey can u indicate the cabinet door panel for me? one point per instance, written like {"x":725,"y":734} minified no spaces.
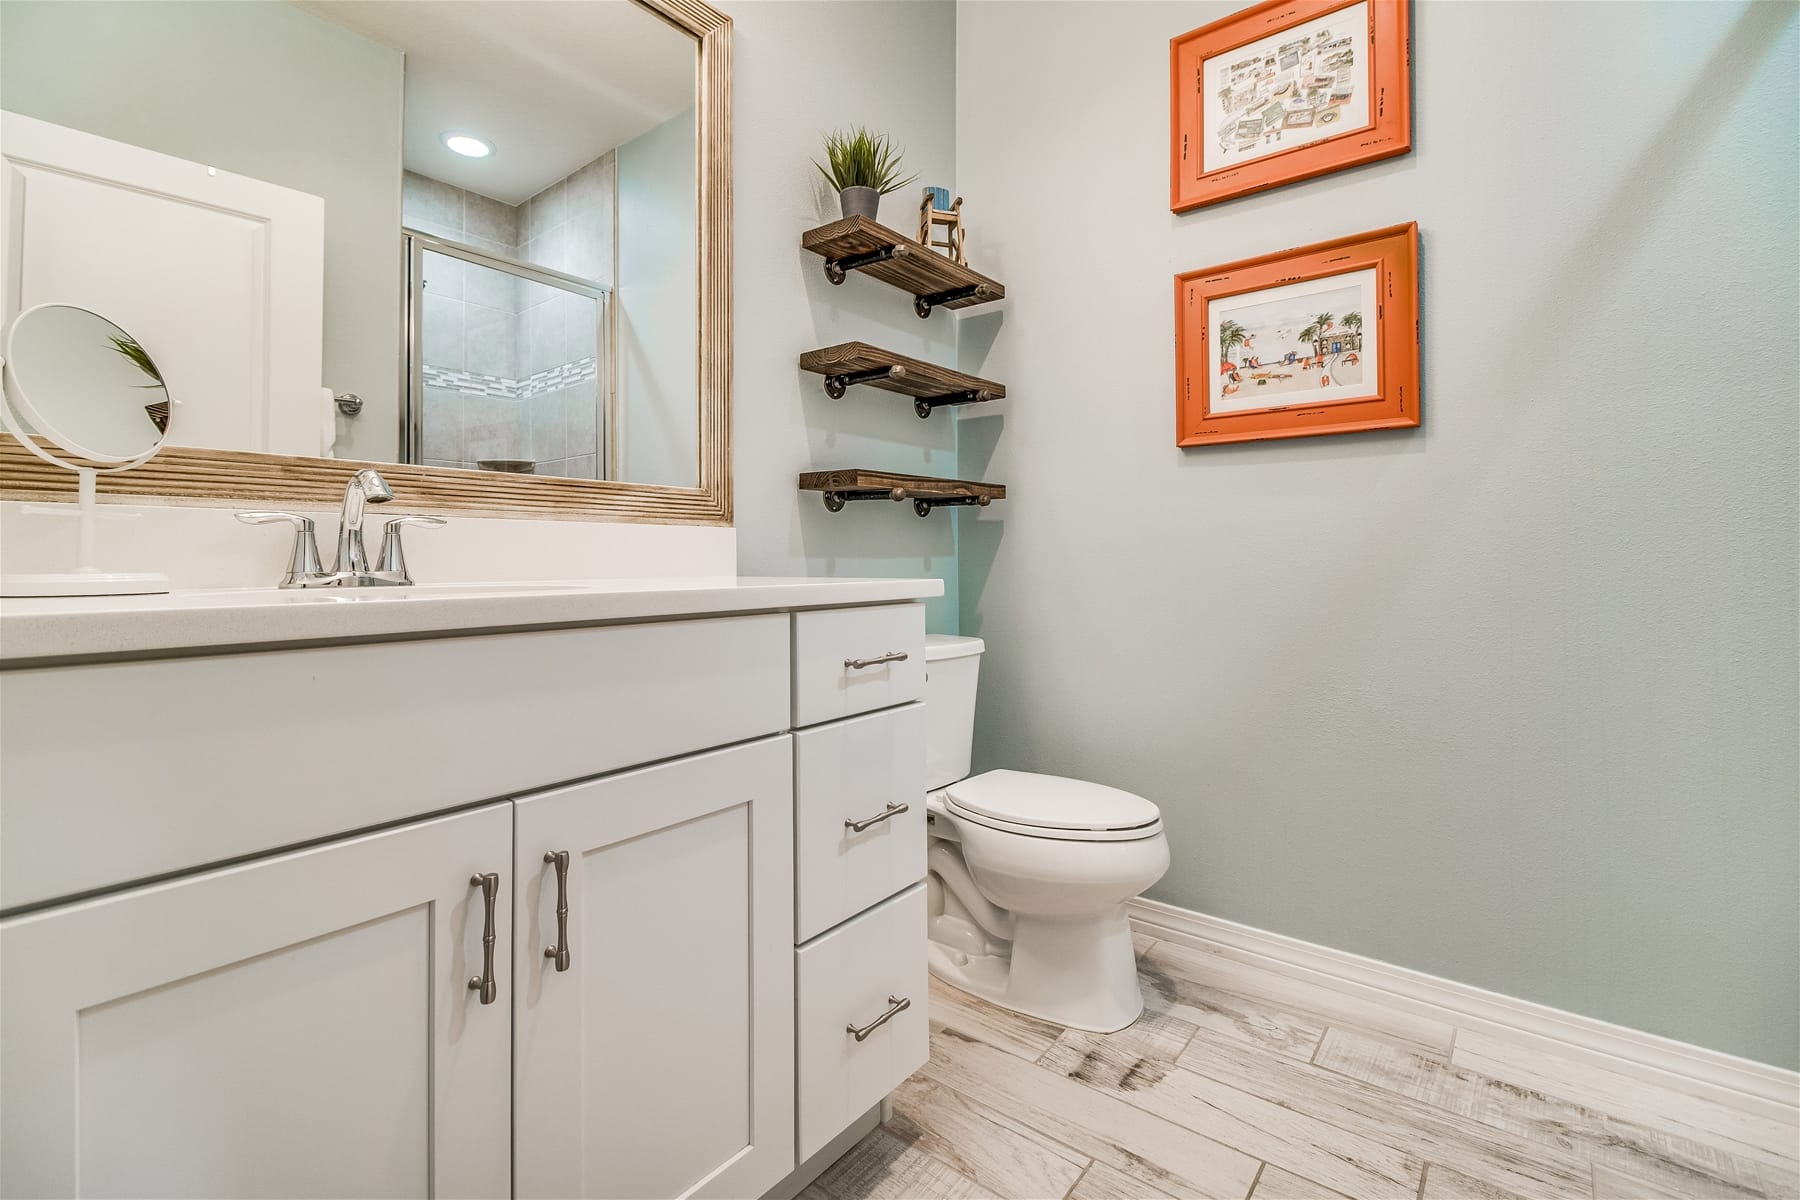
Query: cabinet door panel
{"x":660,"y":1063}
{"x":297,"y":1025}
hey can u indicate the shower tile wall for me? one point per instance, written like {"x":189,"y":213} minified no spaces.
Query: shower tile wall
{"x":511,"y":364}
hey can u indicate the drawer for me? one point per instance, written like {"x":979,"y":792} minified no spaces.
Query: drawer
{"x":837,"y":672}
{"x":849,"y":978}
{"x":215,"y":758}
{"x":852,"y":771}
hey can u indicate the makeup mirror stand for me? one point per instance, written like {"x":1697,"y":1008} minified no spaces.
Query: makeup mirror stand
{"x":87,"y":579}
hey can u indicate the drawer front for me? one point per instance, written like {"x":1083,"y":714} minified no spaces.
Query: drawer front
{"x":849,"y":978}
{"x":837,"y":672}
{"x":213,"y":758}
{"x":857,"y":772}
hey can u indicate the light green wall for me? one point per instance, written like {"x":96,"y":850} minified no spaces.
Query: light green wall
{"x":258,"y":88}
{"x":799,"y":69}
{"x":1511,"y":698}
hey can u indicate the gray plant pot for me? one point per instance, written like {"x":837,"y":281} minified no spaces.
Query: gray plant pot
{"x":859,"y":201}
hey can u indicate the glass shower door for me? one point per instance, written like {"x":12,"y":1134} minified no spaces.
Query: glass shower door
{"x":507,"y":367}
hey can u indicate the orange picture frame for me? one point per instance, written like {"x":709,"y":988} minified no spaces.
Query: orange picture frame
{"x":1320,"y":339}
{"x":1277,"y":93}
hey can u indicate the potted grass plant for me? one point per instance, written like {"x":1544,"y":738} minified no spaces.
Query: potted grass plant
{"x":863,"y":167}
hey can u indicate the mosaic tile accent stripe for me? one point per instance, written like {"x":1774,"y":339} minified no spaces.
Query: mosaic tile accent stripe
{"x":562,"y":376}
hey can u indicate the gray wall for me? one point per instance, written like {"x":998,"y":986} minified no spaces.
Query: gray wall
{"x":658,"y":301}
{"x":801,"y":69}
{"x":1510,"y":698}
{"x":260,"y":89}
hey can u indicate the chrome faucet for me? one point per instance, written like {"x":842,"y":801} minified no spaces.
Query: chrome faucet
{"x":352,"y":567}
{"x":365,"y":487}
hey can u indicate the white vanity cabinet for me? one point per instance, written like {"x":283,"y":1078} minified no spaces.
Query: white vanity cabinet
{"x":215,"y":982}
{"x":300,"y":1025}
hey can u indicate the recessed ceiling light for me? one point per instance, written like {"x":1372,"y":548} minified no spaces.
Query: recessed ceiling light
{"x":467,"y":146}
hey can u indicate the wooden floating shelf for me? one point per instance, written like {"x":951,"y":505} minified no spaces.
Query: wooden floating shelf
{"x":859,"y":244}
{"x":930,"y":385}
{"x":926,"y":492}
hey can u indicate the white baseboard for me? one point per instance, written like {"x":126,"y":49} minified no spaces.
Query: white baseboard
{"x":1739,"y":1082}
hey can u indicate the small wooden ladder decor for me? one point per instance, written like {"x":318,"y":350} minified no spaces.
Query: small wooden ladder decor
{"x":951,"y":218}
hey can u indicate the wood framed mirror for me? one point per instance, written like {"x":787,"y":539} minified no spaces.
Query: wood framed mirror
{"x":327,"y":302}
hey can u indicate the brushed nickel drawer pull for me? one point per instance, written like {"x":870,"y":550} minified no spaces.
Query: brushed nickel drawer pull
{"x":559,"y":953}
{"x":859,"y":664}
{"x":892,"y":810}
{"x":896,"y":1006}
{"x":484,"y":982}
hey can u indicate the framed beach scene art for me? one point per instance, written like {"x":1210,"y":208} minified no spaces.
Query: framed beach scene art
{"x":1322,"y":339}
{"x":1286,"y":91}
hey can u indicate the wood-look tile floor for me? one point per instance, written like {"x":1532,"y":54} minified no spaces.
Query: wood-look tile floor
{"x":1238,"y":1082}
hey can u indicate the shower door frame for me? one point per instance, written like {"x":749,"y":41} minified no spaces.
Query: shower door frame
{"x":412,"y":363}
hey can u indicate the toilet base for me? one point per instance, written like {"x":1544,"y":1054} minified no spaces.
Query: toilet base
{"x":1080,"y":973}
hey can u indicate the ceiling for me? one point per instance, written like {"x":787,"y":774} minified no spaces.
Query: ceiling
{"x":550,"y":84}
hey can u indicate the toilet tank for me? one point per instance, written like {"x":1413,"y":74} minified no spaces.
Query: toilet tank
{"x":951,"y":667}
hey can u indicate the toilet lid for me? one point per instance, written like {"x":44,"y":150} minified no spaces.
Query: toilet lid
{"x":1051,"y":802}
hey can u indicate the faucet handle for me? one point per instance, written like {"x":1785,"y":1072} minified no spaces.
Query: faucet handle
{"x":303,"y":524}
{"x":303,"y":562}
{"x":393,"y":555}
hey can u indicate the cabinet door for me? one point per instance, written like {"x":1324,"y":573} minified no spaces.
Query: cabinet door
{"x":300,"y":1025}
{"x":660,"y":1062}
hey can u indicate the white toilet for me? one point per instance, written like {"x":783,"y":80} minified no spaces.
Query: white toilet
{"x":1029,"y":874}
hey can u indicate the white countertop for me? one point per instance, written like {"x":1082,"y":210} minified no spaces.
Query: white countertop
{"x":42,"y":630}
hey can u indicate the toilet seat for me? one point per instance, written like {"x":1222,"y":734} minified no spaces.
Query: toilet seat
{"x":1052,"y":807}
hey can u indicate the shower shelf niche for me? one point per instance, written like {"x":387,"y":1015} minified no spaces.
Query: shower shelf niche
{"x":859,"y":244}
{"x":930,"y":386}
{"x":925,"y":491}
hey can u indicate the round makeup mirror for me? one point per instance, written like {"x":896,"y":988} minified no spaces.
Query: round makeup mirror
{"x":82,"y":393}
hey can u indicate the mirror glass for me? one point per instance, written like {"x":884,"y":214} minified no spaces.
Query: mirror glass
{"x":461,"y":233}
{"x":84,"y":385}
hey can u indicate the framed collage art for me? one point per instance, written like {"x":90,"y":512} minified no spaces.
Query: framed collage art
{"x":1285,"y":91}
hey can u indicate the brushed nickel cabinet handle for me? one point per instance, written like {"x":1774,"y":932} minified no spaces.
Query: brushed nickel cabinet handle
{"x":896,"y":1006}
{"x":559,"y":953}
{"x":892,"y":810}
{"x":859,"y":664}
{"x":484,"y":982}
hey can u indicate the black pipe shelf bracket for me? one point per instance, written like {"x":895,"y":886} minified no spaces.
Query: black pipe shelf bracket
{"x":931,"y":387}
{"x":838,"y":269}
{"x":837,"y":385}
{"x":924,"y":505}
{"x":924,"y":304}
{"x":925,"y":405}
{"x":835,"y":501}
